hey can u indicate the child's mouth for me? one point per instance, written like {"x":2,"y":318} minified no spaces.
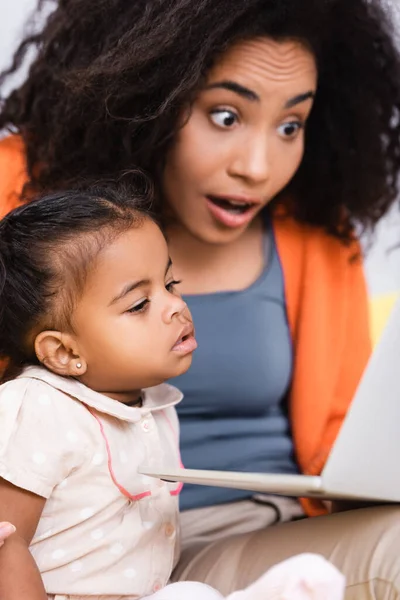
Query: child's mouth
{"x":186,"y":343}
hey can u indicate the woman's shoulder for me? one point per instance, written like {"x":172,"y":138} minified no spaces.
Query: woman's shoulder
{"x":320,"y":272}
{"x":13,"y":173}
{"x":302,"y":247}
{"x":296,"y":234}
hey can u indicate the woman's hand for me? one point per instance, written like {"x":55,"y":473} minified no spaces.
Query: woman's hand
{"x":6,"y":529}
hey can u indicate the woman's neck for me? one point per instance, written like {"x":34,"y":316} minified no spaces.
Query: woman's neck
{"x":206,"y":268}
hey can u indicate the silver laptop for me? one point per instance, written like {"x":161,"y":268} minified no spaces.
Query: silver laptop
{"x":364,"y":463}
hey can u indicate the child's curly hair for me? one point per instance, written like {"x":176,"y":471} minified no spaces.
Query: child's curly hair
{"x":112,"y":77}
{"x":46,"y":250}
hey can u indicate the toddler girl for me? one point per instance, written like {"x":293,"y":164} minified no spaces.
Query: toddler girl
{"x":91,"y":325}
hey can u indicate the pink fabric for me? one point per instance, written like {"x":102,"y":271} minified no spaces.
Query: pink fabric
{"x":303,"y":577}
{"x":110,"y":467}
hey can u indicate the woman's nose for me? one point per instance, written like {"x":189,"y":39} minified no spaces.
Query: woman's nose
{"x":252,"y":161}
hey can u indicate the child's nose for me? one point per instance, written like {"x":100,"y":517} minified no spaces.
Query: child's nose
{"x":176,"y":307}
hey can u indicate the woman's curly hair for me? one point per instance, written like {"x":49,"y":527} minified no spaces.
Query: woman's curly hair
{"x":111,"y":78}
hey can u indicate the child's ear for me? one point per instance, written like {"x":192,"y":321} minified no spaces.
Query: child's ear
{"x":59,"y":353}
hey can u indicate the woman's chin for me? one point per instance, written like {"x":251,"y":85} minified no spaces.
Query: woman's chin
{"x":217,"y":235}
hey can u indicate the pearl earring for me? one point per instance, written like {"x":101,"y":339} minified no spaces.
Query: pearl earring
{"x":78,"y":365}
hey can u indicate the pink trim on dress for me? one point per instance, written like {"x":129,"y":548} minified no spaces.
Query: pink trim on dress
{"x":123,"y":491}
{"x":109,"y":463}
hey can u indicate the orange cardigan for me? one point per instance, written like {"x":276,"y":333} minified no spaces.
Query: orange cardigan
{"x":327,"y":312}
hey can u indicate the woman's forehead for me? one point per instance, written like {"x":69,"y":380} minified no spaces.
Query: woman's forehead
{"x":278,"y":61}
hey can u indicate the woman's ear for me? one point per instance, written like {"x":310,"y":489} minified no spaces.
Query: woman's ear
{"x":59,"y":353}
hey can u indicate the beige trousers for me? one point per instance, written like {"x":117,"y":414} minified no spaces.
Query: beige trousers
{"x":175,"y":591}
{"x":302,"y":577}
{"x":231,"y":545}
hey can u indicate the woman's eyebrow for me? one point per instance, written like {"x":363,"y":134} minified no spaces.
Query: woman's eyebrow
{"x":300,"y":98}
{"x":236,"y":88}
{"x":249,"y":94}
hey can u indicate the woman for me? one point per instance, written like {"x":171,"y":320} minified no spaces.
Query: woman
{"x":269,"y":127}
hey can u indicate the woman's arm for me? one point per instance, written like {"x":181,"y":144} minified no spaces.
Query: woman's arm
{"x":19,"y":575}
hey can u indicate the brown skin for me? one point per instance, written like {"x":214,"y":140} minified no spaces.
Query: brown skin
{"x":19,"y":576}
{"x":122,"y":345}
{"x":235,"y":145}
{"x":256,"y":155}
{"x":250,"y":157}
{"x":6,"y":530}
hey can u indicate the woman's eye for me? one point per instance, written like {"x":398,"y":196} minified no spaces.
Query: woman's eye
{"x":139,"y":307}
{"x":290,"y":129}
{"x":170,"y":287}
{"x":224,"y":118}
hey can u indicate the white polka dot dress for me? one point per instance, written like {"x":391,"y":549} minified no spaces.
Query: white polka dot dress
{"x":105,"y":529}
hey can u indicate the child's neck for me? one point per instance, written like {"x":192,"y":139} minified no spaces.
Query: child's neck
{"x":138,"y":403}
{"x":130,"y":398}
{"x":133,"y":398}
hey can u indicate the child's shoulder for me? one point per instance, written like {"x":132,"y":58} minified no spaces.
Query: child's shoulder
{"x":42,"y":436}
{"x":30,"y":398}
{"x":25,"y":387}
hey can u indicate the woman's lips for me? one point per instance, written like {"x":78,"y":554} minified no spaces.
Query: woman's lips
{"x":230,"y":211}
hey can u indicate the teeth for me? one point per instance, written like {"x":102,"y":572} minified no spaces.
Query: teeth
{"x":240,"y":204}
{"x":231,"y":205}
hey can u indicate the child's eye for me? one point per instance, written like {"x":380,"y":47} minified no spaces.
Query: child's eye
{"x":170,"y":287}
{"x":139,"y":307}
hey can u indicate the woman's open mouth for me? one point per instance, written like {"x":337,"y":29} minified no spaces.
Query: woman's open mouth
{"x":230,"y":211}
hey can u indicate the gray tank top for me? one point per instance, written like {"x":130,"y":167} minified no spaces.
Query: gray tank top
{"x":234,"y":414}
